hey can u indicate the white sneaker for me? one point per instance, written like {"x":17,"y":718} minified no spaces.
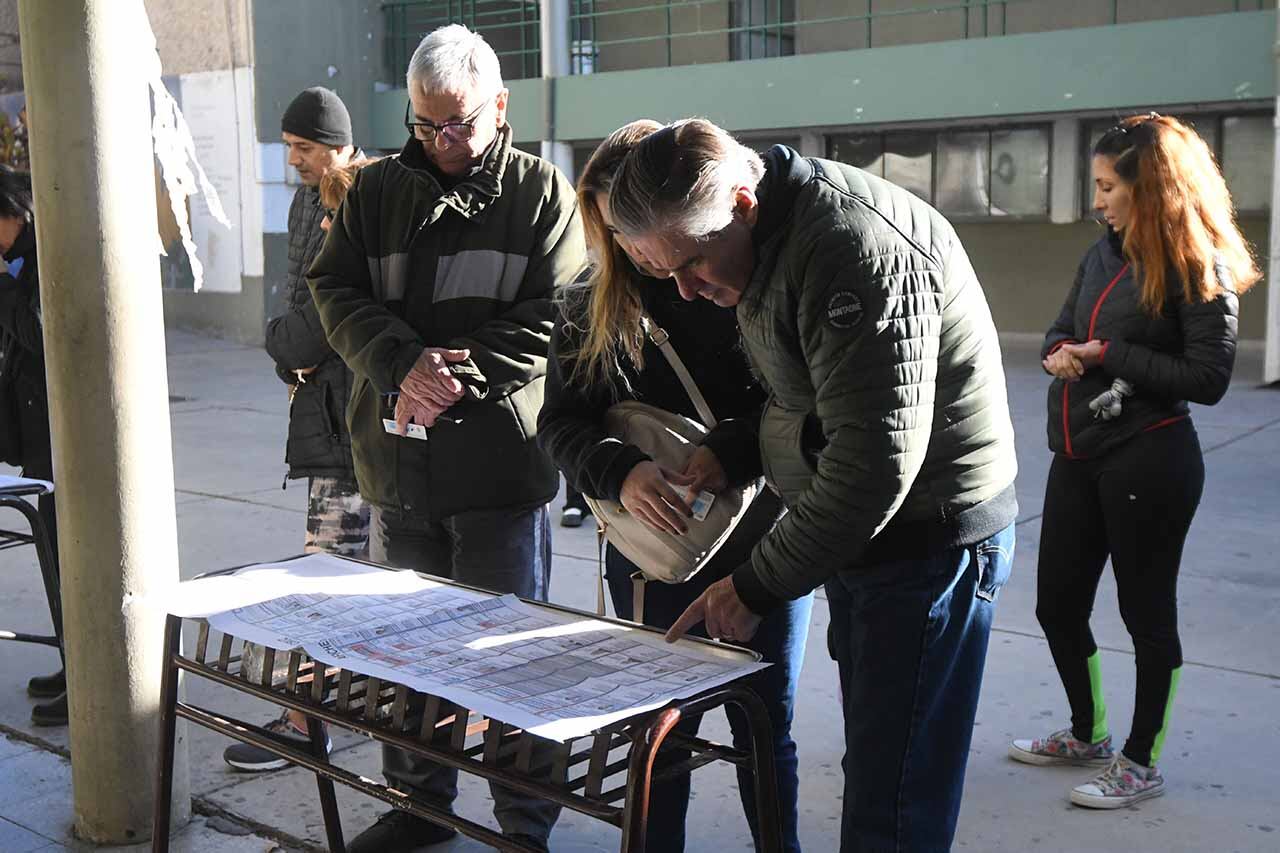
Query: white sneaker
{"x":1062,"y":748}
{"x":571,"y":516}
{"x":1122,"y":784}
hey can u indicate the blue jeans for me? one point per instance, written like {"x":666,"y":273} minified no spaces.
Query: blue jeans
{"x":910,"y":639}
{"x":502,"y":551}
{"x":781,"y":640}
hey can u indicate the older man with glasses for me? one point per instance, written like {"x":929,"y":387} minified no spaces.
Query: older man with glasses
{"x":435,"y":286}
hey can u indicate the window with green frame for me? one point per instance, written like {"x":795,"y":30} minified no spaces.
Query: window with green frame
{"x":967,"y":173}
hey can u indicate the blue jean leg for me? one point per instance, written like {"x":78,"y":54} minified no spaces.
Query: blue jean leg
{"x":910,"y":639}
{"x":498,"y":550}
{"x":781,"y":641}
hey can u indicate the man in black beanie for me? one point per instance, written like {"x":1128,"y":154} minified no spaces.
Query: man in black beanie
{"x":317,"y":131}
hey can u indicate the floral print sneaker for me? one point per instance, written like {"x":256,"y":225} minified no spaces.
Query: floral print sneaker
{"x":1122,"y":784}
{"x":1062,"y":748}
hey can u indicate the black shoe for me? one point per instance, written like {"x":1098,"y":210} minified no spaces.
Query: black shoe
{"x":571,"y":516}
{"x":399,"y":832}
{"x":50,"y":713}
{"x":255,"y":759}
{"x":48,"y":686}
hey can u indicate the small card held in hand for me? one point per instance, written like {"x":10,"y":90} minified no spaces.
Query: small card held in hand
{"x":417,"y":431}
{"x":701,"y":504}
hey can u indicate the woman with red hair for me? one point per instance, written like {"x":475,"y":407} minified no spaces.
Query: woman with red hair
{"x":1149,"y":325}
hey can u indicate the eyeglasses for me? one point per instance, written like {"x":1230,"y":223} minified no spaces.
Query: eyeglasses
{"x":453,"y":132}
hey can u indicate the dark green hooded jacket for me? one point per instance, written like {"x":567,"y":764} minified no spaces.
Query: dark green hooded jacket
{"x":410,"y":264}
{"x":887,"y":430}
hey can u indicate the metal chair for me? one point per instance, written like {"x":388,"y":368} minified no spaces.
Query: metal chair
{"x":14,"y":492}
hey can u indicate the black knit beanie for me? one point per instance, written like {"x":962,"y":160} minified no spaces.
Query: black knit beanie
{"x":318,"y":114}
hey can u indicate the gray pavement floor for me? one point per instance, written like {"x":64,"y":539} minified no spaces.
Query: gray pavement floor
{"x":1222,"y":758}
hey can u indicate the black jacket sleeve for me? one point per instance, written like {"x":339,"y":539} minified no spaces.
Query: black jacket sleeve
{"x":736,"y":444}
{"x":18,"y":314}
{"x":295,"y":340}
{"x":1202,"y":371}
{"x":571,"y":426}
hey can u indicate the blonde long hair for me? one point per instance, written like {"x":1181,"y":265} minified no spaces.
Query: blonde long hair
{"x":608,"y":298}
{"x":1183,"y":216}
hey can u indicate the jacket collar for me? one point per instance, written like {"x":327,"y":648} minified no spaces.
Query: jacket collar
{"x":1113,"y":252}
{"x":785,"y":175}
{"x":474,"y":193}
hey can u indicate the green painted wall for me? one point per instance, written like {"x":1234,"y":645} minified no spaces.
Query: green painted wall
{"x":297,"y":42}
{"x":1210,"y":58}
{"x":1027,"y":268}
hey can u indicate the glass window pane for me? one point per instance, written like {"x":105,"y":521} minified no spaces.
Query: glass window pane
{"x":1248,"y":144}
{"x":908,"y":162}
{"x":963,"y":160}
{"x":864,"y":151}
{"x":1020,"y":172}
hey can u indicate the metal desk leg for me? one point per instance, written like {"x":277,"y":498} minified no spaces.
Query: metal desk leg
{"x":644,"y":751}
{"x":768,"y":818}
{"x":168,"y":732}
{"x":328,"y":800}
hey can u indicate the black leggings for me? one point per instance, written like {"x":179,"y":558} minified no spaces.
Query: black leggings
{"x":1135,"y":504}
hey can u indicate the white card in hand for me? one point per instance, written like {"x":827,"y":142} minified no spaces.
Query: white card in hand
{"x":701,"y":505}
{"x":417,"y":431}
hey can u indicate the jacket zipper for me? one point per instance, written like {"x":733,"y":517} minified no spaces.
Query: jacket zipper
{"x":1097,"y":306}
{"x":1066,"y":386}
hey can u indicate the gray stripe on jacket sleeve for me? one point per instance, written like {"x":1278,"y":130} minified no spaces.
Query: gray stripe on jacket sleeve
{"x":483,"y":274}
{"x":390,"y":276}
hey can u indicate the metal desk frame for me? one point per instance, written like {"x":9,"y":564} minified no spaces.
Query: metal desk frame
{"x":575,"y":775}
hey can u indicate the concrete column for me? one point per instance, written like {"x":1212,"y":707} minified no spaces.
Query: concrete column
{"x":90,"y":116}
{"x":1271,"y":357}
{"x":1064,"y":172}
{"x":555,"y":63}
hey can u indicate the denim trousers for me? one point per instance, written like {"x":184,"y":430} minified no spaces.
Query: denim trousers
{"x":910,"y":639}
{"x":781,"y":641}
{"x":504,"y":550}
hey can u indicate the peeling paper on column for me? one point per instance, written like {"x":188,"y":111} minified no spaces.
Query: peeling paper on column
{"x":176,"y":151}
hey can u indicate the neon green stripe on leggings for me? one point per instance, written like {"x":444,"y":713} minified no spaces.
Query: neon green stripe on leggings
{"x":1099,"y":703}
{"x":1174,"y":678}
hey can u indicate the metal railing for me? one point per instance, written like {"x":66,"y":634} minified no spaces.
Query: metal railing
{"x":625,"y":34}
{"x":511,"y":26}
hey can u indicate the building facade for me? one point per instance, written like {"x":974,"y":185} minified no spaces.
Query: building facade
{"x":986,"y":108}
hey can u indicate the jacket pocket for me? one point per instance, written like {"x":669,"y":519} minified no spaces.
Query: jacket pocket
{"x":373,"y":451}
{"x":524,"y":404}
{"x":995,"y":564}
{"x":788,"y":466}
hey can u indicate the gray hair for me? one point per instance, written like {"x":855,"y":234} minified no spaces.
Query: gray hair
{"x":682,"y":180}
{"x":454,"y":59}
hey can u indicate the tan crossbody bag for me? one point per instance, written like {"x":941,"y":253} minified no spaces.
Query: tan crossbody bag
{"x":669,"y":440}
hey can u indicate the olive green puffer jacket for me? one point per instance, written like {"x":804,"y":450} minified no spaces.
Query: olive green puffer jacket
{"x":887,"y":430}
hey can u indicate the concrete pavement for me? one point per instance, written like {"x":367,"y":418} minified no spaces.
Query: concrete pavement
{"x":1221,"y":759}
